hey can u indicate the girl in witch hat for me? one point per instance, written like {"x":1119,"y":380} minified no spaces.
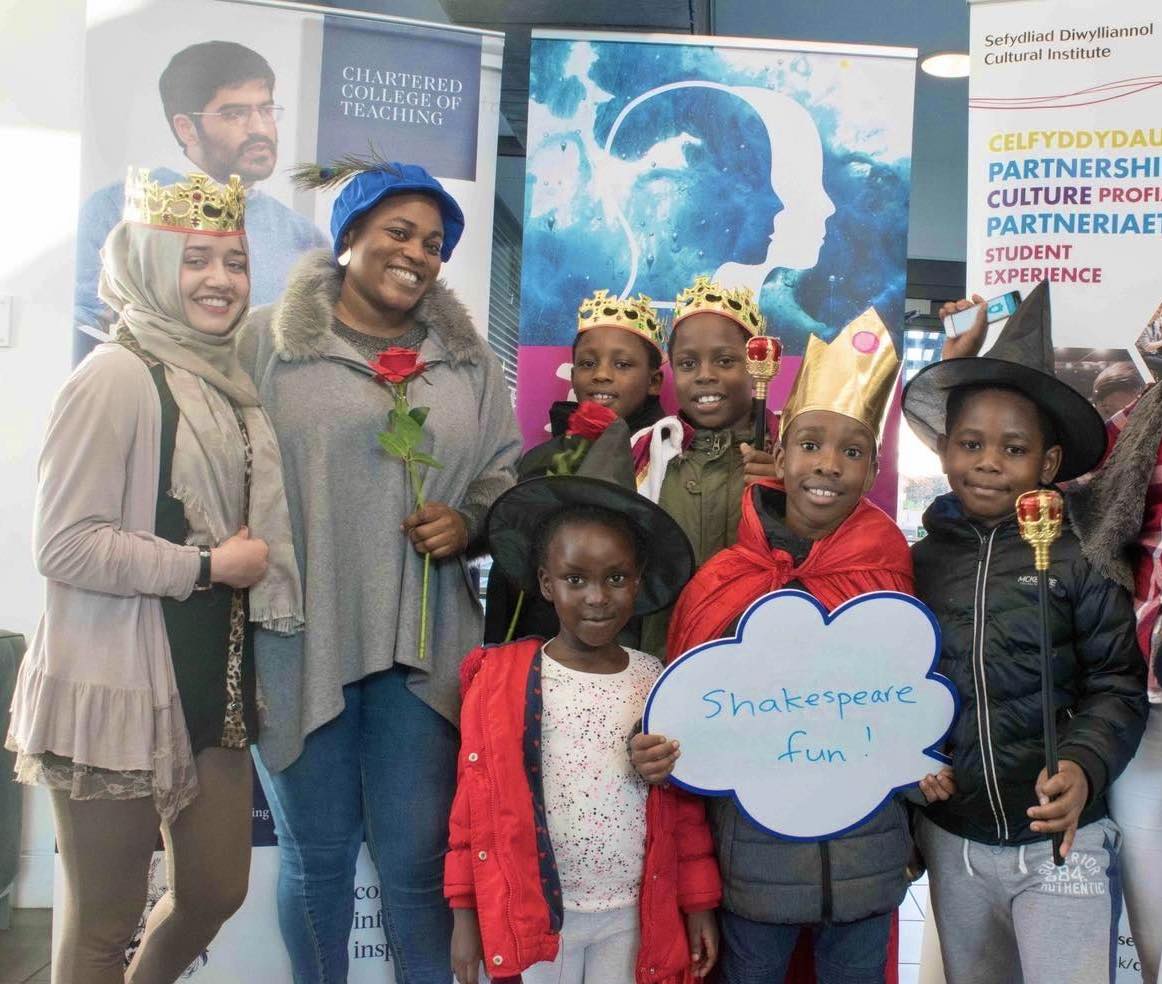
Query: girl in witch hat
{"x":563,"y":865}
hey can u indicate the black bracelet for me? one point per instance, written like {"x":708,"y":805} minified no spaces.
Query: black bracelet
{"x":203,"y":583}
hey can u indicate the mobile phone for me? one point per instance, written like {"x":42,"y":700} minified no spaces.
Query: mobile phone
{"x":998,"y":308}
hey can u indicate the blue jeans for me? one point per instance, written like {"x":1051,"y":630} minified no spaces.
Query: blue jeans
{"x":384,"y":770}
{"x":845,"y":953}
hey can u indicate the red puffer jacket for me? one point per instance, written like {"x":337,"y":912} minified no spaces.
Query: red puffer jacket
{"x":498,"y":850}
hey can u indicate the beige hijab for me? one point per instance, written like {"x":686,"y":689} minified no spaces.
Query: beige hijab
{"x":141,"y":267}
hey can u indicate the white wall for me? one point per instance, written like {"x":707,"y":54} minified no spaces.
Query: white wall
{"x":41,"y":55}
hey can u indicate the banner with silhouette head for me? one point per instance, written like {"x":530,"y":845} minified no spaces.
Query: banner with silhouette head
{"x":781,"y":166}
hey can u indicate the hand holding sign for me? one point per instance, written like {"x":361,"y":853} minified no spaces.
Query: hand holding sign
{"x":811,"y":721}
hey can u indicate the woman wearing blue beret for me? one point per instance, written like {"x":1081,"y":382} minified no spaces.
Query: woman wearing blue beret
{"x":359,"y":736}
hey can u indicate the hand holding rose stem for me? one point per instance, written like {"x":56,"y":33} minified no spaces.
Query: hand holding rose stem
{"x":396,"y":367}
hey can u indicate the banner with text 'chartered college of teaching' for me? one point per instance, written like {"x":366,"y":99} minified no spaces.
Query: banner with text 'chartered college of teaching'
{"x":1065,"y":185}
{"x":296,"y":85}
{"x":781,"y":166}
{"x":254,"y":87}
{"x":1065,"y":176}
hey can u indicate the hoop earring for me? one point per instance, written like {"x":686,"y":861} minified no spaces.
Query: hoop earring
{"x":345,"y":257}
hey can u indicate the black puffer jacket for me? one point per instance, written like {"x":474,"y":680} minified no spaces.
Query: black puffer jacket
{"x":981,"y":584}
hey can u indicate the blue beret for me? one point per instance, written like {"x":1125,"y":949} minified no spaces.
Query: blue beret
{"x":368,"y":188}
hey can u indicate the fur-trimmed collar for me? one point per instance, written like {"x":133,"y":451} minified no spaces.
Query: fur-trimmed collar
{"x":301,"y":319}
{"x":1107,"y":509}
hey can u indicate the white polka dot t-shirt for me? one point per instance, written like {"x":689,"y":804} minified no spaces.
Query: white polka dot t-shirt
{"x":594,"y":800}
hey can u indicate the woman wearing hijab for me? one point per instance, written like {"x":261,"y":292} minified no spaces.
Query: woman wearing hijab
{"x":360,"y":735}
{"x":162,"y":531}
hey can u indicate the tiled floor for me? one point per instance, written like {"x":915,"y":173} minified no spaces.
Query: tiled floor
{"x":25,"y":947}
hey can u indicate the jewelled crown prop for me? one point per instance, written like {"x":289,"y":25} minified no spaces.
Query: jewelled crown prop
{"x":853,"y":375}
{"x":1040,"y":514}
{"x":634,"y":314}
{"x":737,"y":304}
{"x":199,"y":203}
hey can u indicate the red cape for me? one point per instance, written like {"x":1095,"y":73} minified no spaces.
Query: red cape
{"x":867,"y":552}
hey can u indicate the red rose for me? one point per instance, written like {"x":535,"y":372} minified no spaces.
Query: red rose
{"x":760,"y":348}
{"x":589,"y":421}
{"x":397,"y":365}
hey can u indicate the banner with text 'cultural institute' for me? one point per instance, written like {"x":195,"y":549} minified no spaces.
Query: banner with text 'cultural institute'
{"x":1065,"y":175}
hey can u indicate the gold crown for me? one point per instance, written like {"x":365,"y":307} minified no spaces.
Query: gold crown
{"x":737,"y":304}
{"x":634,"y":314}
{"x":853,"y":375}
{"x":199,"y":204}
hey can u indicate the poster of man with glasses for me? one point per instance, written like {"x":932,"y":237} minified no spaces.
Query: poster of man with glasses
{"x":219,"y":101}
{"x":254,"y":87}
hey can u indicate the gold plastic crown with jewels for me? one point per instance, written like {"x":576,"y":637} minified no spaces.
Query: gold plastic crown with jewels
{"x":199,"y":204}
{"x":737,"y":304}
{"x":854,"y":374}
{"x":635,"y":314}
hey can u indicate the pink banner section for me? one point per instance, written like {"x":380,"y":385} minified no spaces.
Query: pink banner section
{"x":543,"y":377}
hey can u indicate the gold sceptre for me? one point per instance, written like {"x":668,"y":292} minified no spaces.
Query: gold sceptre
{"x":1040,"y":514}
{"x":763,"y":356}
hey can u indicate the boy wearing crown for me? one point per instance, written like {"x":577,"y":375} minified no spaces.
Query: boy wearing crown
{"x":696,"y":464}
{"x":616,"y":374}
{"x":810,"y":528}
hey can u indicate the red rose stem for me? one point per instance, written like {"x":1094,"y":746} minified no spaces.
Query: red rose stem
{"x":395,"y":366}
{"x":763,"y":353}
{"x":1039,"y":517}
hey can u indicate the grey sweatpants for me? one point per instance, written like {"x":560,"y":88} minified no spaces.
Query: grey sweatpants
{"x":1008,"y":915}
{"x":596,"y":948}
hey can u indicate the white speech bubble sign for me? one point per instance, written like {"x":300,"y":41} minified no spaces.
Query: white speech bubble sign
{"x":810,"y":720}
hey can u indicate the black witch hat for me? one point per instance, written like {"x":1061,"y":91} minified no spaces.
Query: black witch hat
{"x":516,"y":517}
{"x":1021,"y":359}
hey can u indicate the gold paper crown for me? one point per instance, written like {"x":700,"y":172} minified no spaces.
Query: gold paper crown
{"x":634,"y":314}
{"x":737,"y":304}
{"x":853,"y":375}
{"x":199,"y":204}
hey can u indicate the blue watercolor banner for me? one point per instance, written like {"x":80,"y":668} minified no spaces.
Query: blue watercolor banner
{"x":650,"y":163}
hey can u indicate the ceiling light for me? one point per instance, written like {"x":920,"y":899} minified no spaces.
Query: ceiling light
{"x":946,"y":65}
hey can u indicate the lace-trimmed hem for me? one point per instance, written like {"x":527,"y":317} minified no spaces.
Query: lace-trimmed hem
{"x":101,"y":724}
{"x":82,"y":782}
